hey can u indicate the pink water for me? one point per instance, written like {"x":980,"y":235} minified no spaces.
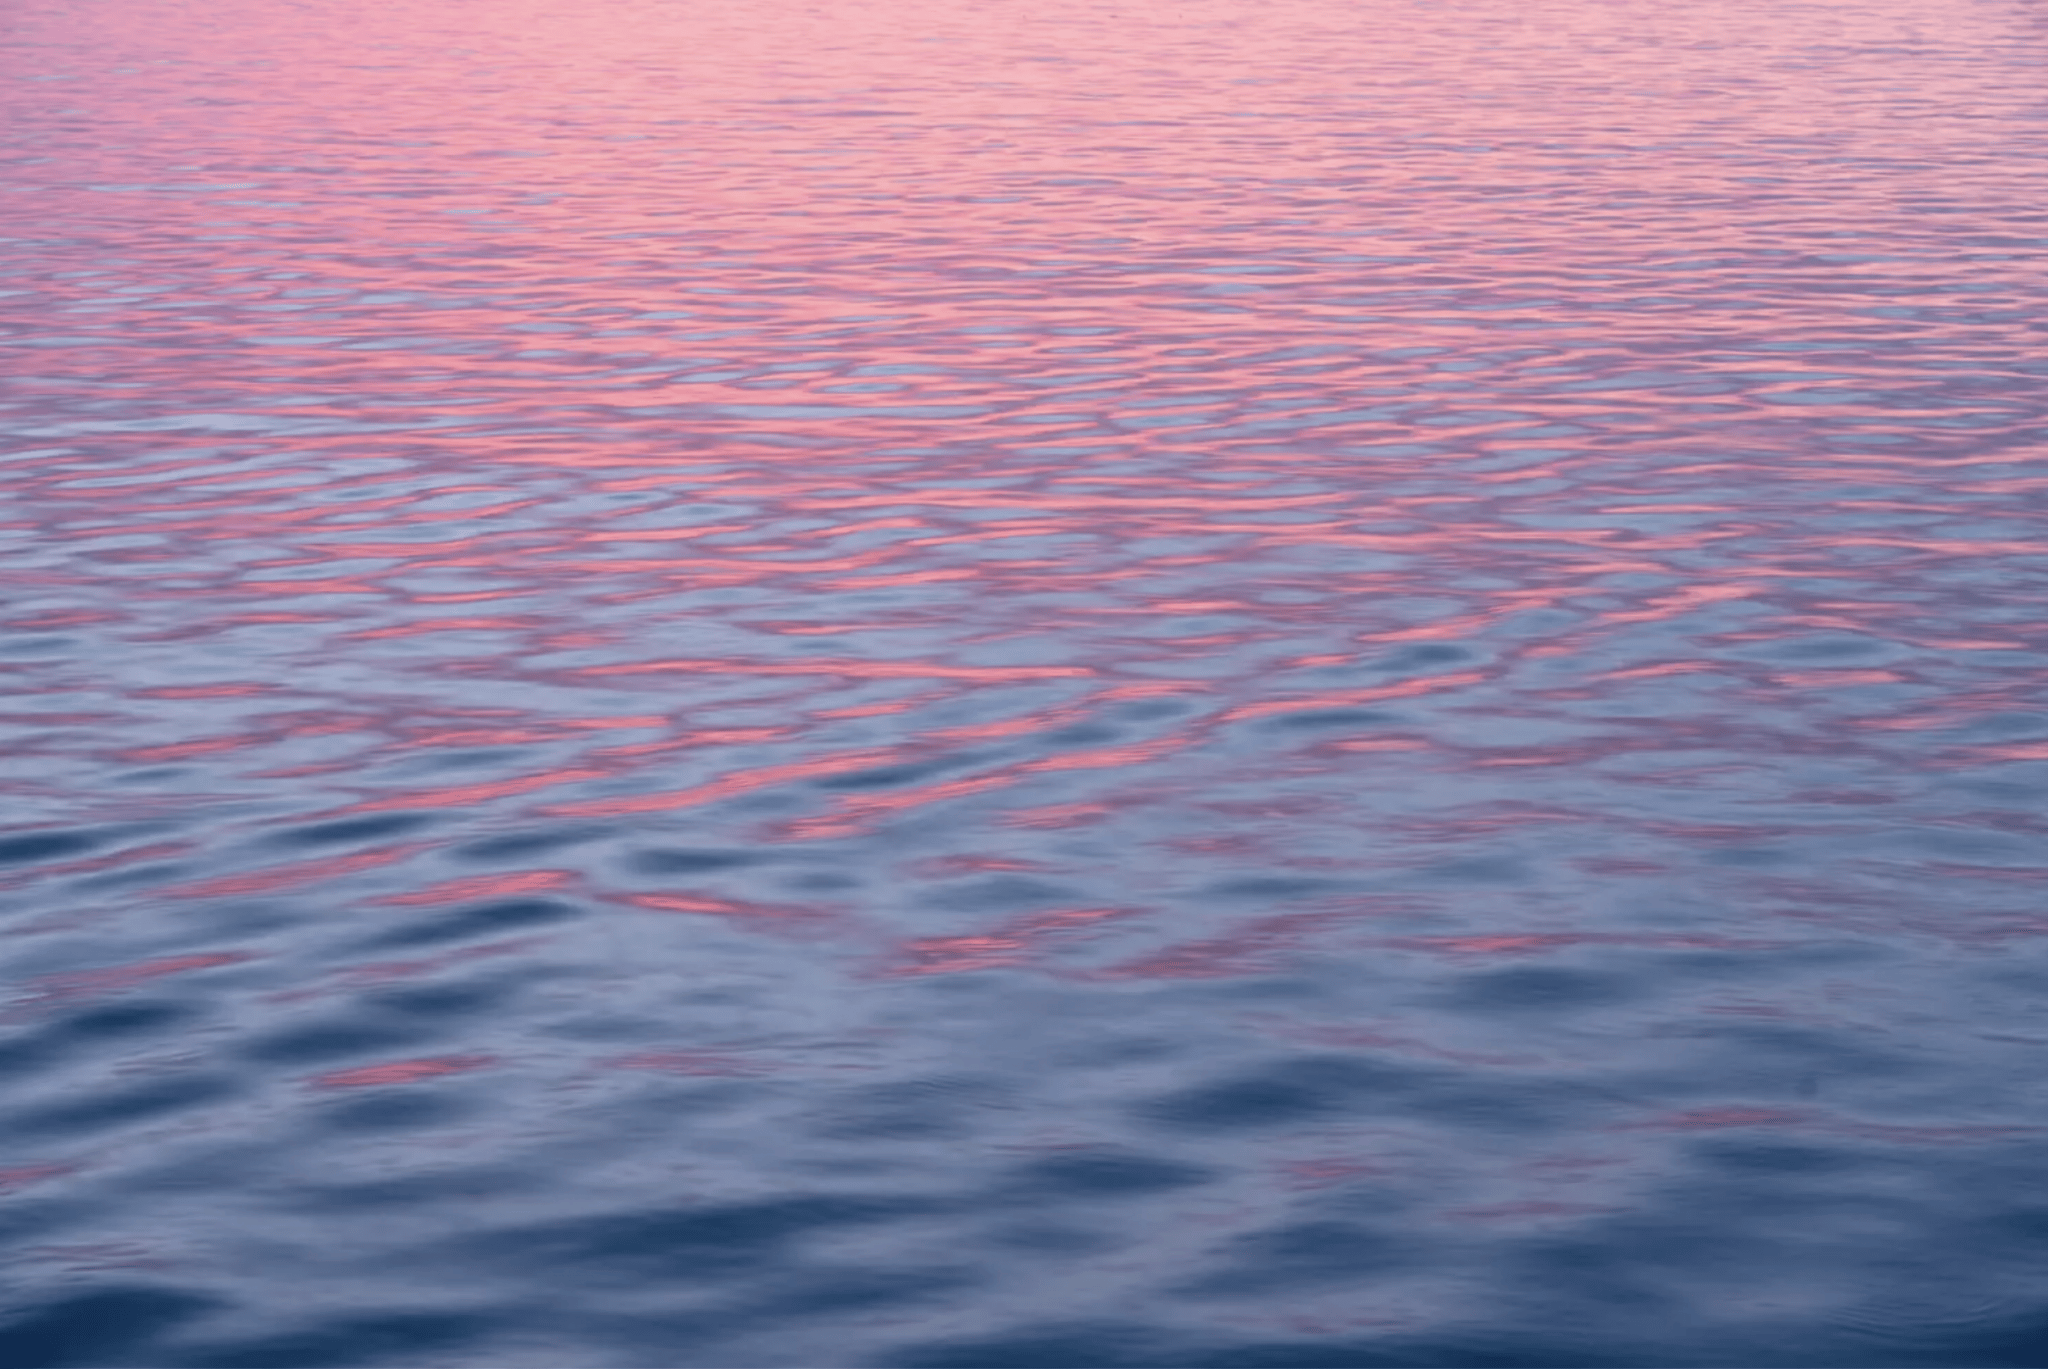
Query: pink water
{"x":982,"y":686}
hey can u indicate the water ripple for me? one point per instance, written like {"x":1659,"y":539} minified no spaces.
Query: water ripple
{"x":1054,"y":686}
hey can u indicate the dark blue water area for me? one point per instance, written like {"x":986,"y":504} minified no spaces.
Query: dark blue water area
{"x":1301,"y":685}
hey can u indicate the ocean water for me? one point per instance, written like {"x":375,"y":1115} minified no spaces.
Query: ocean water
{"x":970,"y":685}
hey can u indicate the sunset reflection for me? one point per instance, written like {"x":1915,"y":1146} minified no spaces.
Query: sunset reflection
{"x":1073,"y":684}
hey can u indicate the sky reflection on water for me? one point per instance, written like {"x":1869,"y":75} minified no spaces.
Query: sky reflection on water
{"x":1024,"y":687}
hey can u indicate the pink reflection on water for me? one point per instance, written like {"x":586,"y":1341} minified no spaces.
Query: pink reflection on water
{"x":1205,"y":543}
{"x":403,"y":1071}
{"x":73,"y":985}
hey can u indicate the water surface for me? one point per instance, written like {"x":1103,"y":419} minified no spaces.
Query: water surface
{"x":997,"y":686}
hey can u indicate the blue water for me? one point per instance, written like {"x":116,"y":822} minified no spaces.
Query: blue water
{"x":975,"y":686}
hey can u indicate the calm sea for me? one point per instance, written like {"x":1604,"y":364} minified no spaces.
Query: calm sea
{"x":803,"y":684}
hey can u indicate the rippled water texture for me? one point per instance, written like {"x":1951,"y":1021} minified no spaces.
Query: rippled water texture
{"x":1024,"y":686}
